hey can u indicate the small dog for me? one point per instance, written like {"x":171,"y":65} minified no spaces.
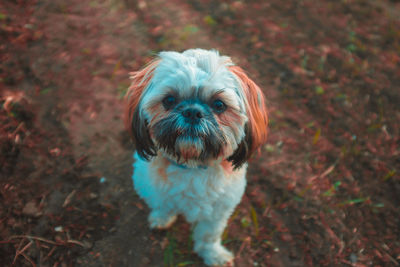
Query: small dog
{"x":195,"y":119}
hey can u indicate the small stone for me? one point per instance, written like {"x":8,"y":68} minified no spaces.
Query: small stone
{"x":31,"y":209}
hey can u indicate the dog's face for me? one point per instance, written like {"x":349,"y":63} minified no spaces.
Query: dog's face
{"x":195,"y":107}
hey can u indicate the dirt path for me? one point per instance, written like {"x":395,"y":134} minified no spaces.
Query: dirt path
{"x":325,"y":165}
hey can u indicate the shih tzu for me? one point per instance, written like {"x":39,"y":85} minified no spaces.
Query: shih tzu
{"x":195,"y":119}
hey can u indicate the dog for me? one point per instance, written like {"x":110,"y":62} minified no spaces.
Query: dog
{"x":195,"y":119}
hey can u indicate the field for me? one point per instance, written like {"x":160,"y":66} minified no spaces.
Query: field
{"x":324,"y":190}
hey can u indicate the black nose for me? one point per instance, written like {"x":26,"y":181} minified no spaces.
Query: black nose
{"x":192,"y":115}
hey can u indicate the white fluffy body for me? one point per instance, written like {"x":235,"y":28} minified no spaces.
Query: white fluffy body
{"x":203,"y":195}
{"x":194,"y":166}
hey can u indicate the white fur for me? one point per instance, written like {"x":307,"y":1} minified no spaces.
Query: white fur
{"x":197,"y":73}
{"x":205,"y":196}
{"x":205,"y":192}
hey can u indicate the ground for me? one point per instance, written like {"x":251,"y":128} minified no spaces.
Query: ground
{"x":324,"y":190}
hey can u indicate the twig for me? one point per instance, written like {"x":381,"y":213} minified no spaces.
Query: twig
{"x":19,"y":246}
{"x":34,"y":238}
{"x":21,"y":125}
{"x":21,"y":252}
{"x":328,"y":171}
{"x":69,"y":198}
{"x":247,"y":240}
{"x":37,"y":239}
{"x":391,"y":258}
{"x":49,"y":254}
{"x":266,"y":211}
{"x":28,"y":259}
{"x":69,"y":241}
{"x":322,"y":175}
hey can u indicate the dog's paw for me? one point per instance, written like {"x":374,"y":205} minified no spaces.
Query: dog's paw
{"x":159,"y":222}
{"x":217,"y":255}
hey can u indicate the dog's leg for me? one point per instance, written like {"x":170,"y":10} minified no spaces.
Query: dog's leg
{"x":207,"y":238}
{"x":161,"y":219}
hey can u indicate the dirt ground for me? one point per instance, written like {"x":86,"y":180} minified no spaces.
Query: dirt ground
{"x":324,"y":191}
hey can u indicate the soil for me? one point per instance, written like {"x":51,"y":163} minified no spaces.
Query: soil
{"x":324,"y":190}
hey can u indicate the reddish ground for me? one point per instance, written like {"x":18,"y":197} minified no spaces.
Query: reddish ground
{"x":325,"y":190}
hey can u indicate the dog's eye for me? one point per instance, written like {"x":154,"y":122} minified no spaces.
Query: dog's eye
{"x":169,"y":101}
{"x":218,"y":106}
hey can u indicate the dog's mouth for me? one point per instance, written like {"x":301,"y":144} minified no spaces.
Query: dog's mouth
{"x":189,"y":142}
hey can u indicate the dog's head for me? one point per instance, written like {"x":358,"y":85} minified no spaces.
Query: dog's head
{"x":195,"y":107}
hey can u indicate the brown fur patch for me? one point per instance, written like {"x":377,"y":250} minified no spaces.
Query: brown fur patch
{"x":227,"y":166}
{"x":255,"y":108}
{"x":161,"y":164}
{"x":140,"y":80}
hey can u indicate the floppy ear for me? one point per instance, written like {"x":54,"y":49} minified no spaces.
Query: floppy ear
{"x":256,"y":127}
{"x":134,"y":123}
{"x":242,"y":152}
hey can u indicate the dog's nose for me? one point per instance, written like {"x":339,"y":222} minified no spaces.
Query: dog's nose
{"x":192,"y":115}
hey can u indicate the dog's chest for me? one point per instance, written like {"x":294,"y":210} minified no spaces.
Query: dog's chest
{"x":202,"y":192}
{"x":193,"y":192}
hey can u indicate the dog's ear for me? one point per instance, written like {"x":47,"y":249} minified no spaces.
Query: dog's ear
{"x":242,"y":152}
{"x":257,"y":124}
{"x":134,"y":122}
